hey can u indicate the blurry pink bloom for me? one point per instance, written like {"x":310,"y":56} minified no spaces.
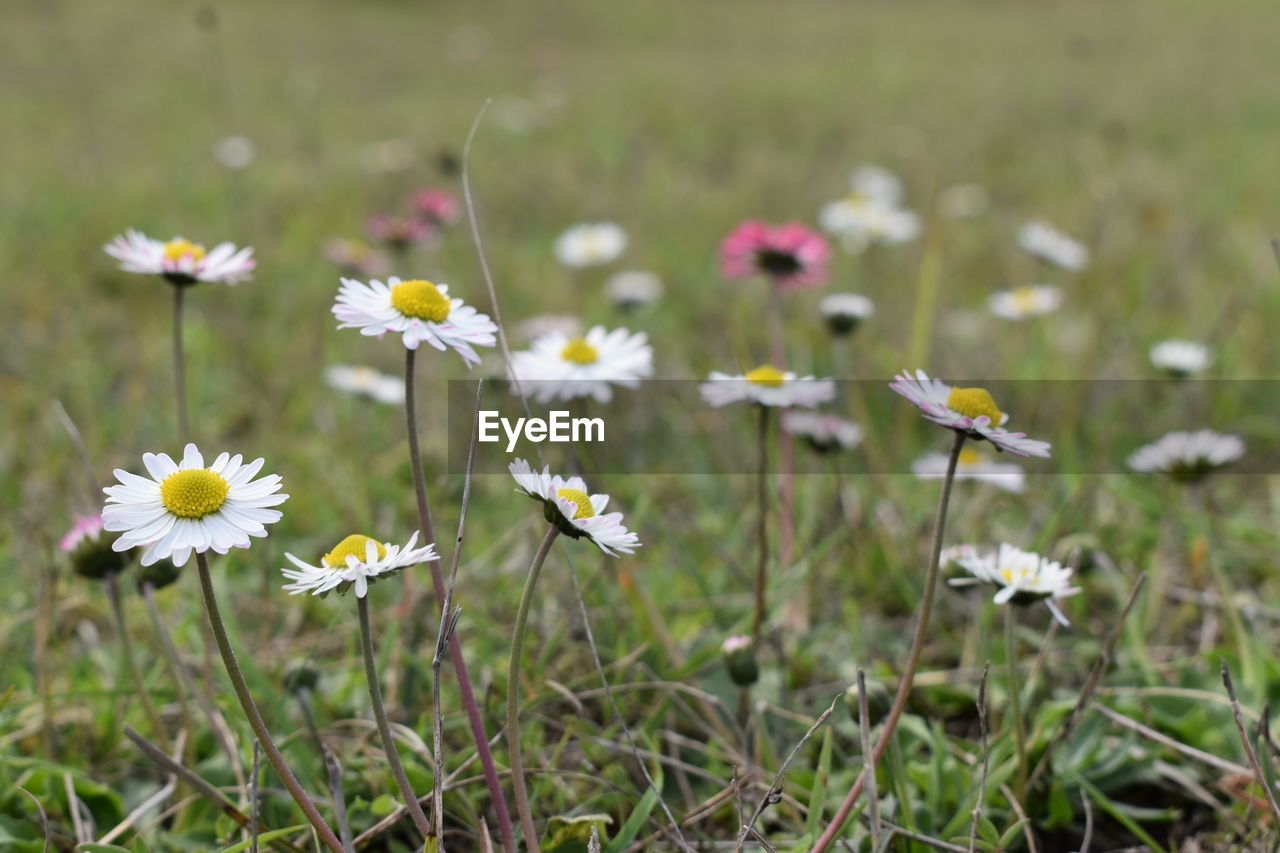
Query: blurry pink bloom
{"x":436,"y":207}
{"x":791,"y":255}
{"x":86,"y":527}
{"x":398,"y":232}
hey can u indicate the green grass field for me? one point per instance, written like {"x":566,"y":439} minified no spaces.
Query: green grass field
{"x":1148,"y":130}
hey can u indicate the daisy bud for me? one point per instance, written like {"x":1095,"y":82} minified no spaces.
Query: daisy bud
{"x":90,"y":553}
{"x":740,"y":660}
{"x":302,"y":676}
{"x":159,"y":574}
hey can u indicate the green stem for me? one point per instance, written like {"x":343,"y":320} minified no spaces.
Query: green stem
{"x":513,"y":692}
{"x":1201,"y":527}
{"x":251,"y":712}
{"x":1015,"y":700}
{"x":180,"y":364}
{"x":913,"y":658}
{"x":126,"y":659}
{"x":384,"y":728}
{"x":762,"y":566}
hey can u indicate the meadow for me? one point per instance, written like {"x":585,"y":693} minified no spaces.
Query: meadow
{"x":1145,"y":130}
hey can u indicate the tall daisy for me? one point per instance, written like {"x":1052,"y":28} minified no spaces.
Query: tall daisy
{"x":357,"y":562}
{"x":1021,"y":577}
{"x":1181,"y":359}
{"x":570,"y":509}
{"x":180,"y":261}
{"x":559,"y":366}
{"x":419,"y":311}
{"x":969,"y":411}
{"x":1187,"y":457}
{"x":845,"y":312}
{"x":590,"y":244}
{"x":766,"y":386}
{"x":1021,"y":303}
{"x":186,"y":507}
{"x":1047,"y":243}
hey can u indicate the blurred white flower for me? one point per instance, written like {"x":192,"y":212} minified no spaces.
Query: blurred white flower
{"x":559,"y":367}
{"x":876,"y":185}
{"x":1181,"y":358}
{"x":179,"y":261}
{"x":590,"y":244}
{"x":1049,"y":244}
{"x":972,"y":465}
{"x":235,"y":152}
{"x":768,"y":386}
{"x":844,"y":312}
{"x":631,"y":288}
{"x":858,"y":223}
{"x":366,"y":382}
{"x":824,"y":433}
{"x":1022,"y":576}
{"x":1033,"y":300}
{"x":1187,"y":457}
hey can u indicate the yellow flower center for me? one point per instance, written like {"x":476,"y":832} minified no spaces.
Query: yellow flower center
{"x":580,"y":352}
{"x":421,"y":299}
{"x":974,"y":403}
{"x":194,"y":492}
{"x":579,"y":497}
{"x":353,"y":546}
{"x":176,"y":250}
{"x":969,"y":458}
{"x":1024,"y":300}
{"x":767,"y":375}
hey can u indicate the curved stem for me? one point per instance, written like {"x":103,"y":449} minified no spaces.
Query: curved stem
{"x":762,"y":567}
{"x":468,"y":695}
{"x":1015,"y":701}
{"x":126,"y":658}
{"x":384,"y":728}
{"x":180,"y":364}
{"x":913,"y":659}
{"x":251,"y":712}
{"x":513,"y":692}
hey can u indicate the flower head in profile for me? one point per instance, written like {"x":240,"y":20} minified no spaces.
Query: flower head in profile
{"x":574,"y":512}
{"x":436,"y":207}
{"x":632,"y":288}
{"x":971,"y":411}
{"x":419,"y":311}
{"x":824,"y":433}
{"x":1033,"y":300}
{"x":366,"y":382}
{"x":972,"y":464}
{"x":844,"y":312}
{"x":356,"y":257}
{"x":398,"y":232}
{"x":1187,"y":457}
{"x":179,"y":261}
{"x":1052,"y":246}
{"x":557,"y":366}
{"x":357,"y":561}
{"x":1181,"y":359}
{"x":90,"y":553}
{"x":590,"y":244}
{"x":740,"y":660}
{"x":1022,"y":577}
{"x":791,"y":256}
{"x":184,"y":506}
{"x":766,"y":385}
{"x":859,"y":223}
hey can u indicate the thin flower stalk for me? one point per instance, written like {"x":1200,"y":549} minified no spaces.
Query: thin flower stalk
{"x":112,"y":581}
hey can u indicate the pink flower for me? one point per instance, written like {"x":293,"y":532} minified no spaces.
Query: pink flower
{"x":436,"y":207}
{"x":398,"y":232}
{"x":791,"y":255}
{"x":86,"y":527}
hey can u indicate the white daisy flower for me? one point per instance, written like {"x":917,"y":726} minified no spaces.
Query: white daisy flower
{"x":824,"y":433}
{"x":858,"y":223}
{"x":559,"y":367}
{"x":179,"y":260}
{"x":1020,"y":303}
{"x":963,"y":201}
{"x":1181,"y":358}
{"x":417,"y":310}
{"x":1022,"y":576}
{"x":844,"y":312}
{"x":968,"y":410}
{"x":1187,"y":456}
{"x":577,"y":514}
{"x":590,"y":244}
{"x":366,"y":382}
{"x":187,"y":507}
{"x":1049,"y":244}
{"x":768,"y":386}
{"x":235,"y":152}
{"x":355,"y":561}
{"x":972,"y":465}
{"x":631,"y":288}
{"x":877,"y":185}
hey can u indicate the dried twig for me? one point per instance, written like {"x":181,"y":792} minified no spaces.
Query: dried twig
{"x":1244,"y":740}
{"x":868,"y":758}
{"x":1163,"y":739}
{"x":986,"y":757}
